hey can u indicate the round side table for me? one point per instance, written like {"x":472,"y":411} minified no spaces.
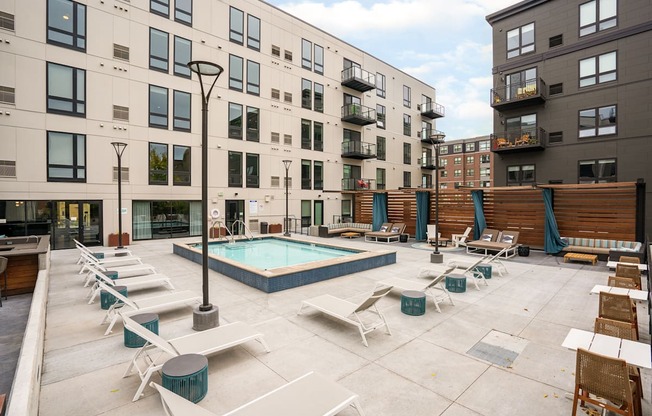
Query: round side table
{"x":485,"y":269}
{"x":413,"y":302}
{"x":107,"y":299}
{"x":149,"y":321}
{"x":187,"y":376}
{"x":456,"y":283}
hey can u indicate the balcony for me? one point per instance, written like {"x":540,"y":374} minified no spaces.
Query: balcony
{"x":358,"y":184}
{"x":519,"y":140}
{"x":432,"y":110}
{"x":358,"y":114}
{"x":426,"y":136}
{"x":526,"y":93}
{"x":355,"y":149}
{"x":428,"y":163}
{"x":358,"y":79}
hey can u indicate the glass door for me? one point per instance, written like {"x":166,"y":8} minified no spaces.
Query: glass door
{"x":319,"y":213}
{"x":90,"y":223}
{"x":234,"y":212}
{"x":66,"y":224}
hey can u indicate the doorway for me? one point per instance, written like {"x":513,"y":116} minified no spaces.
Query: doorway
{"x":319,"y":213}
{"x":234,"y":212}
{"x":76,"y":220}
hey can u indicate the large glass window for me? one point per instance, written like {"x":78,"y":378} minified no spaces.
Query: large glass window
{"x":253,"y":78}
{"x":381,"y":148}
{"x":597,"y":171}
{"x":253,"y":32}
{"x":520,"y":40}
{"x":597,"y":15}
{"x":381,"y":182}
{"x":235,"y":121}
{"x":66,"y":157}
{"x":306,"y":94}
{"x":318,"y":136}
{"x":181,"y":166}
{"x":306,"y":140}
{"x":318,"y":181}
{"x":380,"y":116}
{"x":235,"y":72}
{"x":306,"y":177}
{"x":521,"y":84}
{"x":161,"y":7}
{"x":598,"y":121}
{"x":306,"y":54}
{"x":252,"y":168}
{"x":407,"y":153}
{"x":407,"y":179}
{"x":235,"y":169}
{"x":67,"y":24}
{"x":520,"y":175}
{"x":407,"y":96}
{"x":319,"y":98}
{"x":236,"y":26}
{"x":598,"y":69}
{"x":319,"y":59}
{"x":518,"y":126}
{"x":158,"y":164}
{"x":66,"y":90}
{"x":158,"y":107}
{"x":407,"y":124}
{"x":183,"y":11}
{"x":253,"y":124}
{"x":181,"y":111}
{"x":381,"y":85}
{"x":182,"y":55}
{"x":158,"y":50}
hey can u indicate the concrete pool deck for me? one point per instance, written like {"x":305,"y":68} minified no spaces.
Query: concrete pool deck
{"x":435,"y":364}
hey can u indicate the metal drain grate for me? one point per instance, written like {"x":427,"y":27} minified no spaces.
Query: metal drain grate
{"x":498,"y":348}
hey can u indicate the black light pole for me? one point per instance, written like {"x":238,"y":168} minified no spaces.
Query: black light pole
{"x":206,"y":316}
{"x":287,"y":164}
{"x":119,"y":150}
{"x":437,"y":138}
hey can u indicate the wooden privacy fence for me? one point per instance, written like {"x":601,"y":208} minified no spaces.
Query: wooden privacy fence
{"x":605,"y":211}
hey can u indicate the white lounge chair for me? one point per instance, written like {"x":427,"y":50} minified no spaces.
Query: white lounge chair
{"x":170,"y":300}
{"x":157,"y":350}
{"x":350,"y":312}
{"x":431,"y":231}
{"x":429,"y":288}
{"x":131,"y":283}
{"x":493,"y":259}
{"x":461,"y":239}
{"x":110,"y":253}
{"x":89,"y":259}
{"x":470,"y":271}
{"x":124,"y":271}
{"x":309,"y":395}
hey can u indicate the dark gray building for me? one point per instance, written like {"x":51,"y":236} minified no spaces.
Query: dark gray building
{"x":572,"y":93}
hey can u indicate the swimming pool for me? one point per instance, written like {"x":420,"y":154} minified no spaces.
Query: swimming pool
{"x":272,"y":264}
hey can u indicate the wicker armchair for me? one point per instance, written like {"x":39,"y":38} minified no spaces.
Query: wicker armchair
{"x":628,"y":270}
{"x":625,"y":282}
{"x":604,"y":377}
{"x":629,"y":259}
{"x":618,"y":308}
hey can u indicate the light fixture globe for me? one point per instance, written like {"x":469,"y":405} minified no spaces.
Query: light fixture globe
{"x":205,"y":68}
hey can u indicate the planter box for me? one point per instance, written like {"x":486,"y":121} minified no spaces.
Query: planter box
{"x":216,"y":232}
{"x":113,"y":239}
{"x":275,"y":228}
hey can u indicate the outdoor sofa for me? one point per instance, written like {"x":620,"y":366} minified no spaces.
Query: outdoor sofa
{"x":335,"y":230}
{"x":505,"y":242}
{"x":611,"y":248}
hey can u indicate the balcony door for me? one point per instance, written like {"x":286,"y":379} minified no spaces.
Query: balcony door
{"x":519,"y":80}
{"x":517,"y":126}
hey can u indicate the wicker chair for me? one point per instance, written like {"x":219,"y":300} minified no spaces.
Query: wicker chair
{"x":627,"y":270}
{"x":604,"y":377}
{"x":625,"y":282}
{"x":619,"y":308}
{"x":629,"y":259}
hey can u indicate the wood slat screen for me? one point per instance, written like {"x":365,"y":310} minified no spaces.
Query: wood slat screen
{"x":455,"y":211}
{"x":519,"y":210}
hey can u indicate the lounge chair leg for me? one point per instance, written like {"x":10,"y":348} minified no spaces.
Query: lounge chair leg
{"x":356,"y":405}
{"x":264,"y":344}
{"x":364,"y":339}
{"x":169,"y":283}
{"x":94,"y":294}
{"x":300,"y":308}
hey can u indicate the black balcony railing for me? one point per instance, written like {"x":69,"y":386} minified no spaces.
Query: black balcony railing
{"x":430,"y":136}
{"x":530,"y":92}
{"x":428,"y":162}
{"x":432,"y":110}
{"x":355,"y":149}
{"x":358,"y":114}
{"x":358,"y":79}
{"x":519,"y":140}
{"x":358,"y":184}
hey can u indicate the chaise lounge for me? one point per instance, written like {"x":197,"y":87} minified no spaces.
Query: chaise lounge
{"x":393,"y":233}
{"x":505,"y":242}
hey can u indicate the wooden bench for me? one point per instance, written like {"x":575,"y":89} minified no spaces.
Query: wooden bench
{"x":592,"y":258}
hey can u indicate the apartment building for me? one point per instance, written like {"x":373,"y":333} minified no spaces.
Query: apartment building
{"x":571,"y":92}
{"x":466,"y":162}
{"x":79,"y":75}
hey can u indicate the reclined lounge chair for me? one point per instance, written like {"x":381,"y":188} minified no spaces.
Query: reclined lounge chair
{"x":350,"y":312}
{"x":131,"y":283}
{"x":89,"y":259}
{"x":437,"y":284}
{"x":308,"y":395}
{"x":492,"y":259}
{"x":123,"y":271}
{"x":506,"y":242}
{"x":394,"y":234}
{"x":105,"y":253}
{"x":157,"y":350}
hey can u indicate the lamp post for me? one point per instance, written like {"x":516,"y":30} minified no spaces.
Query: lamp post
{"x":206,"y":316}
{"x":437,"y":138}
{"x":287,"y":164}
{"x":119,"y":148}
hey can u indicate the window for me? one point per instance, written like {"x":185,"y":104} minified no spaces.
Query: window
{"x":319,"y":59}
{"x":306,"y":217}
{"x":161,"y":7}
{"x":318,"y":136}
{"x":235,"y":121}
{"x":426,"y":180}
{"x":470,"y":147}
{"x":520,"y":40}
{"x":470,"y":159}
{"x":457,"y":172}
{"x":597,"y":171}
{"x":253,"y":78}
{"x":443,"y":150}
{"x":235,"y":170}
{"x":306,"y":54}
{"x":518,"y":126}
{"x":555,"y":137}
{"x":381,"y":148}
{"x":235,"y":73}
{"x":306,"y":140}
{"x":6,"y":21}
{"x":598,"y":121}
{"x":158,"y":50}
{"x":121,"y":52}
{"x":380,"y":116}
{"x":597,"y":15}
{"x":555,"y":89}
{"x":181,"y":108}
{"x":66,"y":90}
{"x":381,"y":85}
{"x":407,"y":179}
{"x":485,"y":171}
{"x":253,"y":124}
{"x":381,"y":178}
{"x":444,"y":174}
{"x":253,"y":32}
{"x":182,"y":55}
{"x":556,"y":40}
{"x":252,"y":168}
{"x":158,"y":107}
{"x":158,"y":164}
{"x":598,"y":69}
{"x":181,"y":165}
{"x":236,"y":26}
{"x":351,"y":136}
{"x":276,"y":51}
{"x":319,"y":98}
{"x":484,"y":145}
{"x":443,"y":162}
{"x":485,"y":158}
{"x":183,"y":11}
{"x":520,"y":175}
{"x":318,"y":180}
{"x":457,"y":161}
{"x":470,"y":172}
{"x":407,"y":124}
{"x":407,"y":153}
{"x":306,"y":179}
{"x":407,"y":96}
{"x":457,"y":148}
{"x":306,"y":94}
{"x":67,"y":24}
{"x":66,"y":157}
{"x":120,"y":113}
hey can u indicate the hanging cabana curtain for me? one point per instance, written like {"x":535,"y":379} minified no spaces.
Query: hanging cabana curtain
{"x":553,"y":243}
{"x":423,"y":209}
{"x":379,"y":211}
{"x":479,"y":223}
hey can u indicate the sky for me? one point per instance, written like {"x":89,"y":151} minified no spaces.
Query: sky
{"x":444,"y":43}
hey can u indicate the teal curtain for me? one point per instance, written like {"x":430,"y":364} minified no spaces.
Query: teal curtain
{"x":423,"y":209}
{"x":379,"y":211}
{"x":479,"y":223}
{"x":553,"y":243}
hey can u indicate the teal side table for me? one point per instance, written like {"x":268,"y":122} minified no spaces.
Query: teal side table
{"x":485,"y":269}
{"x":111,"y":274}
{"x":149,"y":321}
{"x":98,"y":256}
{"x":107,"y":299}
{"x":456,"y":283}
{"x":413,"y":302}
{"x":187,"y":376}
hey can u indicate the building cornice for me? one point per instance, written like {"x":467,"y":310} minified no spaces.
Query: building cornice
{"x":513,"y":10}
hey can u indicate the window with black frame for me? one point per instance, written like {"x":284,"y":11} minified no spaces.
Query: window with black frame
{"x":521,"y":175}
{"x":253,"y":124}
{"x":236,"y":75}
{"x":158,"y":50}
{"x":597,"y":15}
{"x":183,"y":11}
{"x":597,"y":171}
{"x":520,"y":40}
{"x":181,"y":165}
{"x":253,"y":32}
{"x":182,"y":55}
{"x":252,"y":170}
{"x":181,"y":111}
{"x":306,"y":174}
{"x":318,"y":174}
{"x":66,"y":157}
{"x":235,"y":121}
{"x":253,"y":78}
{"x":158,"y":164}
{"x":158,"y":107}
{"x":235,"y":169}
{"x":66,"y":90}
{"x":66,"y":23}
{"x":236,"y":26}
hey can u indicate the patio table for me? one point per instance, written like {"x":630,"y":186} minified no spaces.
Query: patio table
{"x":613,"y":264}
{"x":635,"y":294}
{"x":633,"y":352}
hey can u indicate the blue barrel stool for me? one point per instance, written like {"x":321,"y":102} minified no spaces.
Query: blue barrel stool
{"x":456,"y":283}
{"x":111,"y":274}
{"x":485,"y":269}
{"x":187,"y":376}
{"x":413,"y":302}
{"x":149,"y":321}
{"x":107,"y":299}
{"x":98,"y":256}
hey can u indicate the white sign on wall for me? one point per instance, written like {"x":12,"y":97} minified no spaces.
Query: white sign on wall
{"x":253,"y":207}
